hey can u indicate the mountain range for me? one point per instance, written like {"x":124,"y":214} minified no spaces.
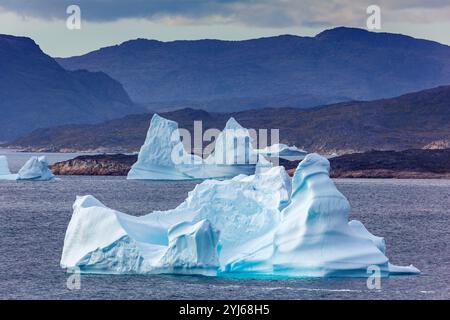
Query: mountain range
{"x":337,"y":65}
{"x":418,"y":120}
{"x":36,"y":92}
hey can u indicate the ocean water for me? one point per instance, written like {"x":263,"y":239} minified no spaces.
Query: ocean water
{"x":412,"y":215}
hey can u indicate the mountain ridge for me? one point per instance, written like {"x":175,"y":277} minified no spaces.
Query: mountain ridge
{"x":412,"y":121}
{"x":336,"y":65}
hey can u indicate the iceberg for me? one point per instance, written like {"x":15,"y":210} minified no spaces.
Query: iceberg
{"x":163,"y":157}
{"x":102,"y":240}
{"x":5,"y":174}
{"x":281,"y":150}
{"x":36,"y":169}
{"x":314,"y":237}
{"x":260,"y":225}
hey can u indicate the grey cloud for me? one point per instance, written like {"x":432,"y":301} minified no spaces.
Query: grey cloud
{"x":262,"y":13}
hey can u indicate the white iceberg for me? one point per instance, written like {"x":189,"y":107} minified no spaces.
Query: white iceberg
{"x":5,"y":174}
{"x":314,"y":237}
{"x":281,"y":150}
{"x":36,"y":169}
{"x":102,"y":240}
{"x":163,"y":157}
{"x":260,"y":225}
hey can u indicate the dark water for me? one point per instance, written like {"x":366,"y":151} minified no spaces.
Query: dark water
{"x":412,"y":215}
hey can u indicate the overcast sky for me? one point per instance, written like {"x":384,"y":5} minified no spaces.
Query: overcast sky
{"x":109,"y":22}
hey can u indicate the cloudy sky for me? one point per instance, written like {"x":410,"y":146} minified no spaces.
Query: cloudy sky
{"x":109,"y":22}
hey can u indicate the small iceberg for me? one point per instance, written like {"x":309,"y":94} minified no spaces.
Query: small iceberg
{"x":281,"y":150}
{"x":35,"y":169}
{"x":5,"y":174}
{"x":265,"y":224}
{"x":163,"y":157}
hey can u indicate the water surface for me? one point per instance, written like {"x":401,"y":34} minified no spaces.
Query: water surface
{"x":412,"y":215}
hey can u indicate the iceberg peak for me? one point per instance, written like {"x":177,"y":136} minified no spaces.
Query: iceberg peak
{"x":232,"y":124}
{"x":313,"y":163}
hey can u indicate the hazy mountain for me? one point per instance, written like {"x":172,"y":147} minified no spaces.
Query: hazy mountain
{"x":337,"y":65}
{"x":416,"y":120}
{"x":36,"y":92}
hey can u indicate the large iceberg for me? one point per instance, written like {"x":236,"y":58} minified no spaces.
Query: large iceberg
{"x":163,"y":157}
{"x":5,"y":174}
{"x":260,"y":225}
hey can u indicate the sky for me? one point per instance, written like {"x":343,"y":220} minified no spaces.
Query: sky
{"x":110,"y":22}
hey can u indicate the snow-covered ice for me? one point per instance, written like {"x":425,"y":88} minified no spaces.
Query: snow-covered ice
{"x":265,"y":224}
{"x":5,"y":174}
{"x":163,"y":157}
{"x":36,"y":169}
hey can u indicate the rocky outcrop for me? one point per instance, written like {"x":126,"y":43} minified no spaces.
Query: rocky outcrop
{"x":98,"y":165}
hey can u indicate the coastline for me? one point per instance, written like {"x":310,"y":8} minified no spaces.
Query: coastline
{"x":414,"y":164}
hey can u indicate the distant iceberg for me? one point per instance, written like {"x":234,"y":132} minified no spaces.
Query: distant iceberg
{"x":282,"y":150}
{"x":265,"y":224}
{"x":35,"y":169}
{"x":5,"y":174}
{"x":163,"y":157}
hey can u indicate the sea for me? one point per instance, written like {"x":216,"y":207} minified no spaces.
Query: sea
{"x":412,"y":215}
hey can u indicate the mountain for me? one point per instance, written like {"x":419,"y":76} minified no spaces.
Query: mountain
{"x":337,"y":65}
{"x":418,"y":120}
{"x":37,"y":92}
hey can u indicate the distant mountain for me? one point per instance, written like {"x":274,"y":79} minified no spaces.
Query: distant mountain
{"x":36,"y":92}
{"x":337,"y":65}
{"x":418,"y":120}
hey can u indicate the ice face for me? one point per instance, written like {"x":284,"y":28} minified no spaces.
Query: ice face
{"x":257,"y":225}
{"x":163,"y":157}
{"x":5,"y":174}
{"x":192,"y":246}
{"x":36,"y":169}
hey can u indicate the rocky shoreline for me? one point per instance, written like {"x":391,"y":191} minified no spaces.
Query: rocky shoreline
{"x":409,"y":164}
